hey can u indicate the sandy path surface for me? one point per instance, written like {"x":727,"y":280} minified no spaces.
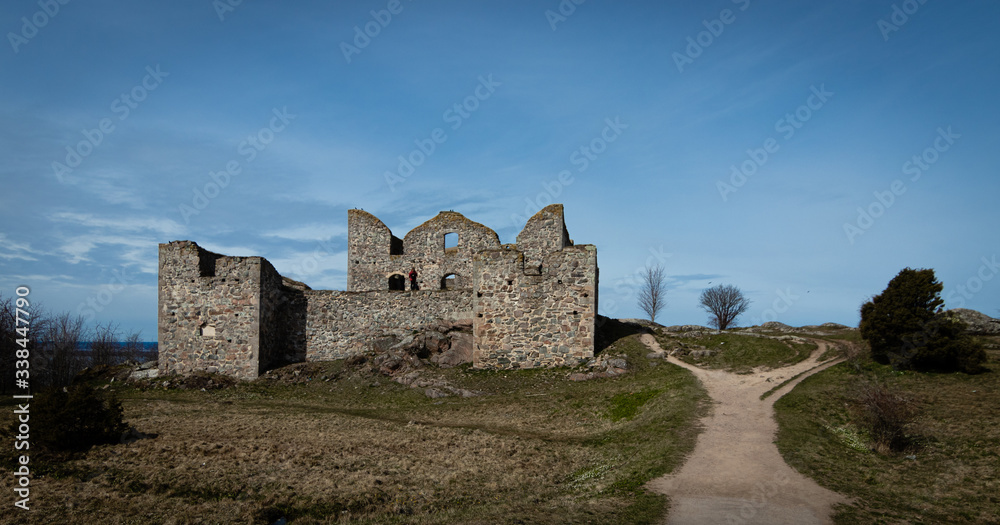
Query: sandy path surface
{"x":735,"y":474}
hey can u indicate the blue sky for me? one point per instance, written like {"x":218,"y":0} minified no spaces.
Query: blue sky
{"x":863,"y":134}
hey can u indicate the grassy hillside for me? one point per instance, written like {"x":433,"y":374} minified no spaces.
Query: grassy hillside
{"x":337,"y":443}
{"x":950,"y":473}
{"x":734,"y":351}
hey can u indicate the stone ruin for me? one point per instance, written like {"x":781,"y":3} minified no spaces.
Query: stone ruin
{"x":530,"y":304}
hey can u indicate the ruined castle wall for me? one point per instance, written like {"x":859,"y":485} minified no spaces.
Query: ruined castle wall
{"x":371,"y":262}
{"x":369,"y":247}
{"x":531,"y":304}
{"x":209,"y":311}
{"x":290,"y":313}
{"x":273,"y":328}
{"x":523,"y":320}
{"x":544,"y":233}
{"x":340,"y":324}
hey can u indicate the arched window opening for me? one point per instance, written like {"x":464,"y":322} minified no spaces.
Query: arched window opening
{"x":397,"y":282}
{"x":450,"y":242}
{"x":450,"y":282}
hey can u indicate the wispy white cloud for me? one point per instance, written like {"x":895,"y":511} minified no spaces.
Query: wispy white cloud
{"x":309,"y":232}
{"x":163,"y":226}
{"x":10,"y":249}
{"x":76,"y":249}
{"x":61,"y":279}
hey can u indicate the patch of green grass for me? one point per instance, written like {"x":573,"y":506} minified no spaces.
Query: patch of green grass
{"x":846,"y":334}
{"x":950,"y":475}
{"x":627,"y":405}
{"x":742,"y":353}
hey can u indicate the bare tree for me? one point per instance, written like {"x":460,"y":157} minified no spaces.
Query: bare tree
{"x":13,"y":335}
{"x":104,"y":345}
{"x":652,"y":295}
{"x":8,"y":344}
{"x":58,"y":358}
{"x":725,"y":303}
{"x":133,"y":349}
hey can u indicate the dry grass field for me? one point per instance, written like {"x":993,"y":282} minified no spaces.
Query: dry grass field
{"x":340,"y":443}
{"x":333,"y":443}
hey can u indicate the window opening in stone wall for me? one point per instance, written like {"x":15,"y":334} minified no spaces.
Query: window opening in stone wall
{"x":450,"y":242}
{"x":395,"y":246}
{"x":449,"y":282}
{"x":397,"y":282}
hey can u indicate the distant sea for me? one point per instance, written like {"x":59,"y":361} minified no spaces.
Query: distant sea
{"x":147,"y":346}
{"x":149,"y":351}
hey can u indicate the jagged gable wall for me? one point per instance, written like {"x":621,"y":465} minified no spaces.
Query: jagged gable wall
{"x":374,"y":254}
{"x":545,"y":232}
{"x":369,"y":250}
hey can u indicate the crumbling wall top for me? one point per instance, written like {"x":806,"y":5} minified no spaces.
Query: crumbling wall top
{"x":545,"y":232}
{"x":429,"y":239}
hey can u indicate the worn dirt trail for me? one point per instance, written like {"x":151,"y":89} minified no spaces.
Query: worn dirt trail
{"x":735,"y":474}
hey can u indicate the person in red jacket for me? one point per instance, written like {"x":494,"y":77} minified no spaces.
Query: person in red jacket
{"x":413,"y":279}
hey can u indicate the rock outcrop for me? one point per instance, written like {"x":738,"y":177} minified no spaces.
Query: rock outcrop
{"x":978,"y":323}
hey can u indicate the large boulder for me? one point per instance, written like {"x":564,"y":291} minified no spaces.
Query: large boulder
{"x":445,"y":344}
{"x":458,"y":352}
{"x":978,"y":323}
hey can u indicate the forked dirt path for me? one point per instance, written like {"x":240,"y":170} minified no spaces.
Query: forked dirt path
{"x":735,"y":474}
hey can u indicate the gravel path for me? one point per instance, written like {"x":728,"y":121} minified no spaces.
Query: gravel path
{"x":735,"y":474}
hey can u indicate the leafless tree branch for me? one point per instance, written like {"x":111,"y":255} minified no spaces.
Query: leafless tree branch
{"x":724,"y":303}
{"x":652,"y":296}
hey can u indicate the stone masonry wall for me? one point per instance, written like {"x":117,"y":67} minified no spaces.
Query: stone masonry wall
{"x":340,"y":324}
{"x":371,"y":261}
{"x":273,"y":329}
{"x":532,"y":304}
{"x":209,"y":311}
{"x":526,"y":320}
{"x":545,"y":232}
{"x":369,"y":245}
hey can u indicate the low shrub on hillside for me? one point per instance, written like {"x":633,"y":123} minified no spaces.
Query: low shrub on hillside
{"x":76,"y":418}
{"x":885,"y":415}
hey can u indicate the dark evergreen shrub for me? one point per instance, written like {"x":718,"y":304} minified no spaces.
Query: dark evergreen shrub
{"x":906,"y":327}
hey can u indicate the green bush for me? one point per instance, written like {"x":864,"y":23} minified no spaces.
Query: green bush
{"x":906,"y":327}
